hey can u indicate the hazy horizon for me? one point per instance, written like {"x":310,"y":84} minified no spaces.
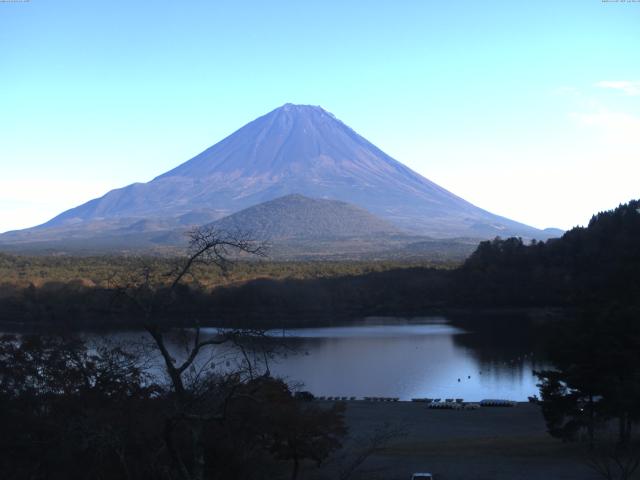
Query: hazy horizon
{"x":529,"y":111}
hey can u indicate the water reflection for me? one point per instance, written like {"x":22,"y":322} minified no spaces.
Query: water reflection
{"x":404,"y":358}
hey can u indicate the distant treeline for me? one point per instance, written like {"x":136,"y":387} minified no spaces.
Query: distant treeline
{"x":268,"y":301}
{"x":104,"y":270}
{"x":593,"y":265}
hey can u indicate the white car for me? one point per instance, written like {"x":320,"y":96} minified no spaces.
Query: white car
{"x":421,"y":476}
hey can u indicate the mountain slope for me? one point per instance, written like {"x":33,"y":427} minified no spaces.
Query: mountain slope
{"x":293,"y":149}
{"x":299,"y":217}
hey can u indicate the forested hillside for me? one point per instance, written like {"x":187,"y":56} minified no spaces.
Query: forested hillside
{"x":594,"y":264}
{"x":591,"y":266}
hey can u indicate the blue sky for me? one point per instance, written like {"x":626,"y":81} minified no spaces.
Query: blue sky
{"x":528,"y":109}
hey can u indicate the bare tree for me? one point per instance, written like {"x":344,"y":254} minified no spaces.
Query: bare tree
{"x":198,"y":397}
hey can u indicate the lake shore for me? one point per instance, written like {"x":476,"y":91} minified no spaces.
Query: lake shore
{"x":471,"y":318}
{"x":489,"y":443}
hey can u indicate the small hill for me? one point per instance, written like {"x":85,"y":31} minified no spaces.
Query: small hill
{"x":299,"y":217}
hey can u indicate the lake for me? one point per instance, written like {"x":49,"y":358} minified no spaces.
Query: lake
{"x":405,"y":358}
{"x":427,"y":358}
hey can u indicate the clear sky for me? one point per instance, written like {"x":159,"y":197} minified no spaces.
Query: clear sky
{"x":529,"y":109}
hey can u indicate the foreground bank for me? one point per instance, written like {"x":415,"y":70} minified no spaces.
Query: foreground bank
{"x":487,"y":443}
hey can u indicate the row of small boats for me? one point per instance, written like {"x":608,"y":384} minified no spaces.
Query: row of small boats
{"x":447,"y":403}
{"x":366,"y":399}
{"x":454,"y":403}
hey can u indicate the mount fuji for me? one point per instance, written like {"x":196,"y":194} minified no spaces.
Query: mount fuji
{"x":294,"y":149}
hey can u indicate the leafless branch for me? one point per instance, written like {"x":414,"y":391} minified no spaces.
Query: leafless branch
{"x":209,"y":246}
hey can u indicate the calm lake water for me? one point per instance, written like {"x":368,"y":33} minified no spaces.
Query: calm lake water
{"x":406,"y":358}
{"x":426,"y":359}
